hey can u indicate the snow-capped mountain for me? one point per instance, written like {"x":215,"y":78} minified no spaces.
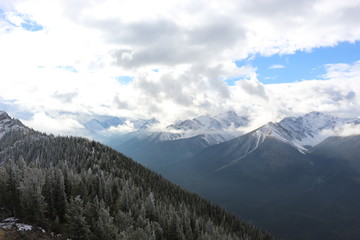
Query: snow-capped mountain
{"x":102,"y":124}
{"x":7,"y":123}
{"x":210,"y":138}
{"x":208,"y":123}
{"x":310,"y":129}
{"x":212,"y":130}
{"x":305,"y":131}
{"x":144,"y":124}
{"x":179,"y":140}
{"x":300,"y":132}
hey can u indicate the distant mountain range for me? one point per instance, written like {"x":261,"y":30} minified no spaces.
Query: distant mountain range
{"x":207,"y":123}
{"x":298,"y":178}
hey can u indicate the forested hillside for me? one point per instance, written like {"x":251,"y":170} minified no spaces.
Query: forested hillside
{"x":85,"y":190}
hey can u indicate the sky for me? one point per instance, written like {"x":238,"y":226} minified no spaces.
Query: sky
{"x":63,"y":62}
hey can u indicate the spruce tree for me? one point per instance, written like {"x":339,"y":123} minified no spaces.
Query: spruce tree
{"x":77,"y":227}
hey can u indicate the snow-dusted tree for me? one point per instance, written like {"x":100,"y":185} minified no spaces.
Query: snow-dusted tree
{"x":105,"y":228}
{"x":77,"y":227}
{"x":150,"y":208}
{"x":31,"y":199}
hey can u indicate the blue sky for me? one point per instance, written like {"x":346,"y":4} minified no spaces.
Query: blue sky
{"x":17,"y":19}
{"x":301,"y":65}
{"x":124,"y":79}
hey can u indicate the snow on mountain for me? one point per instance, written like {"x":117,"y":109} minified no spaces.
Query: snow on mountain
{"x":144,"y":124}
{"x":107,"y":124}
{"x":208,"y":123}
{"x":311,"y":129}
{"x":186,"y":125}
{"x":230,"y":118}
{"x":111,"y":121}
{"x":215,"y":138}
{"x":213,"y":130}
{"x":7,"y":123}
{"x":211,"y":138}
{"x":300,"y":132}
{"x":305,"y":131}
{"x":163,"y":136}
{"x":94,"y":125}
{"x":101,"y":123}
{"x":275,"y":130}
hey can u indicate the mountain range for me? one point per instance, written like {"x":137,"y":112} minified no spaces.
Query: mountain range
{"x":74,"y":188}
{"x":298,"y":178}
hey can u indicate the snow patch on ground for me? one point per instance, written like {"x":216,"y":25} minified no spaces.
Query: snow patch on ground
{"x":12,"y":223}
{"x":18,"y":226}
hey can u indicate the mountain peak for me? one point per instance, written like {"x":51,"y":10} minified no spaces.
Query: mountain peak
{"x":205,"y":122}
{"x":3,"y":114}
{"x":304,"y":131}
{"x":7,"y":123}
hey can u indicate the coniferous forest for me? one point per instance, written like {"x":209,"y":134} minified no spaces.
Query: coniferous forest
{"x":82,"y":189}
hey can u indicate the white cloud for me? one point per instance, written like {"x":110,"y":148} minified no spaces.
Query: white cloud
{"x":56,"y":125}
{"x":128,"y":126}
{"x":70,"y":66}
{"x":276,"y":66}
{"x":344,"y":130}
{"x":349,"y":130}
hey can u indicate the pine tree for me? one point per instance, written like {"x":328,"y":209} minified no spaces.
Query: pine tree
{"x":12,"y":189}
{"x":77,"y":227}
{"x":150,"y":207}
{"x":60,"y":198}
{"x":105,"y":228}
{"x":31,"y":199}
{"x":3,"y":181}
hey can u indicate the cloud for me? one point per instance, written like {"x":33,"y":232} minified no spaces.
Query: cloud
{"x":344,"y":130}
{"x":338,"y":94}
{"x":349,"y":130}
{"x":276,"y":66}
{"x":124,"y":128}
{"x":56,"y":125}
{"x":71,"y":65}
{"x":65,"y":97}
{"x":253,"y":87}
{"x":181,"y":33}
{"x":342,"y":71}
